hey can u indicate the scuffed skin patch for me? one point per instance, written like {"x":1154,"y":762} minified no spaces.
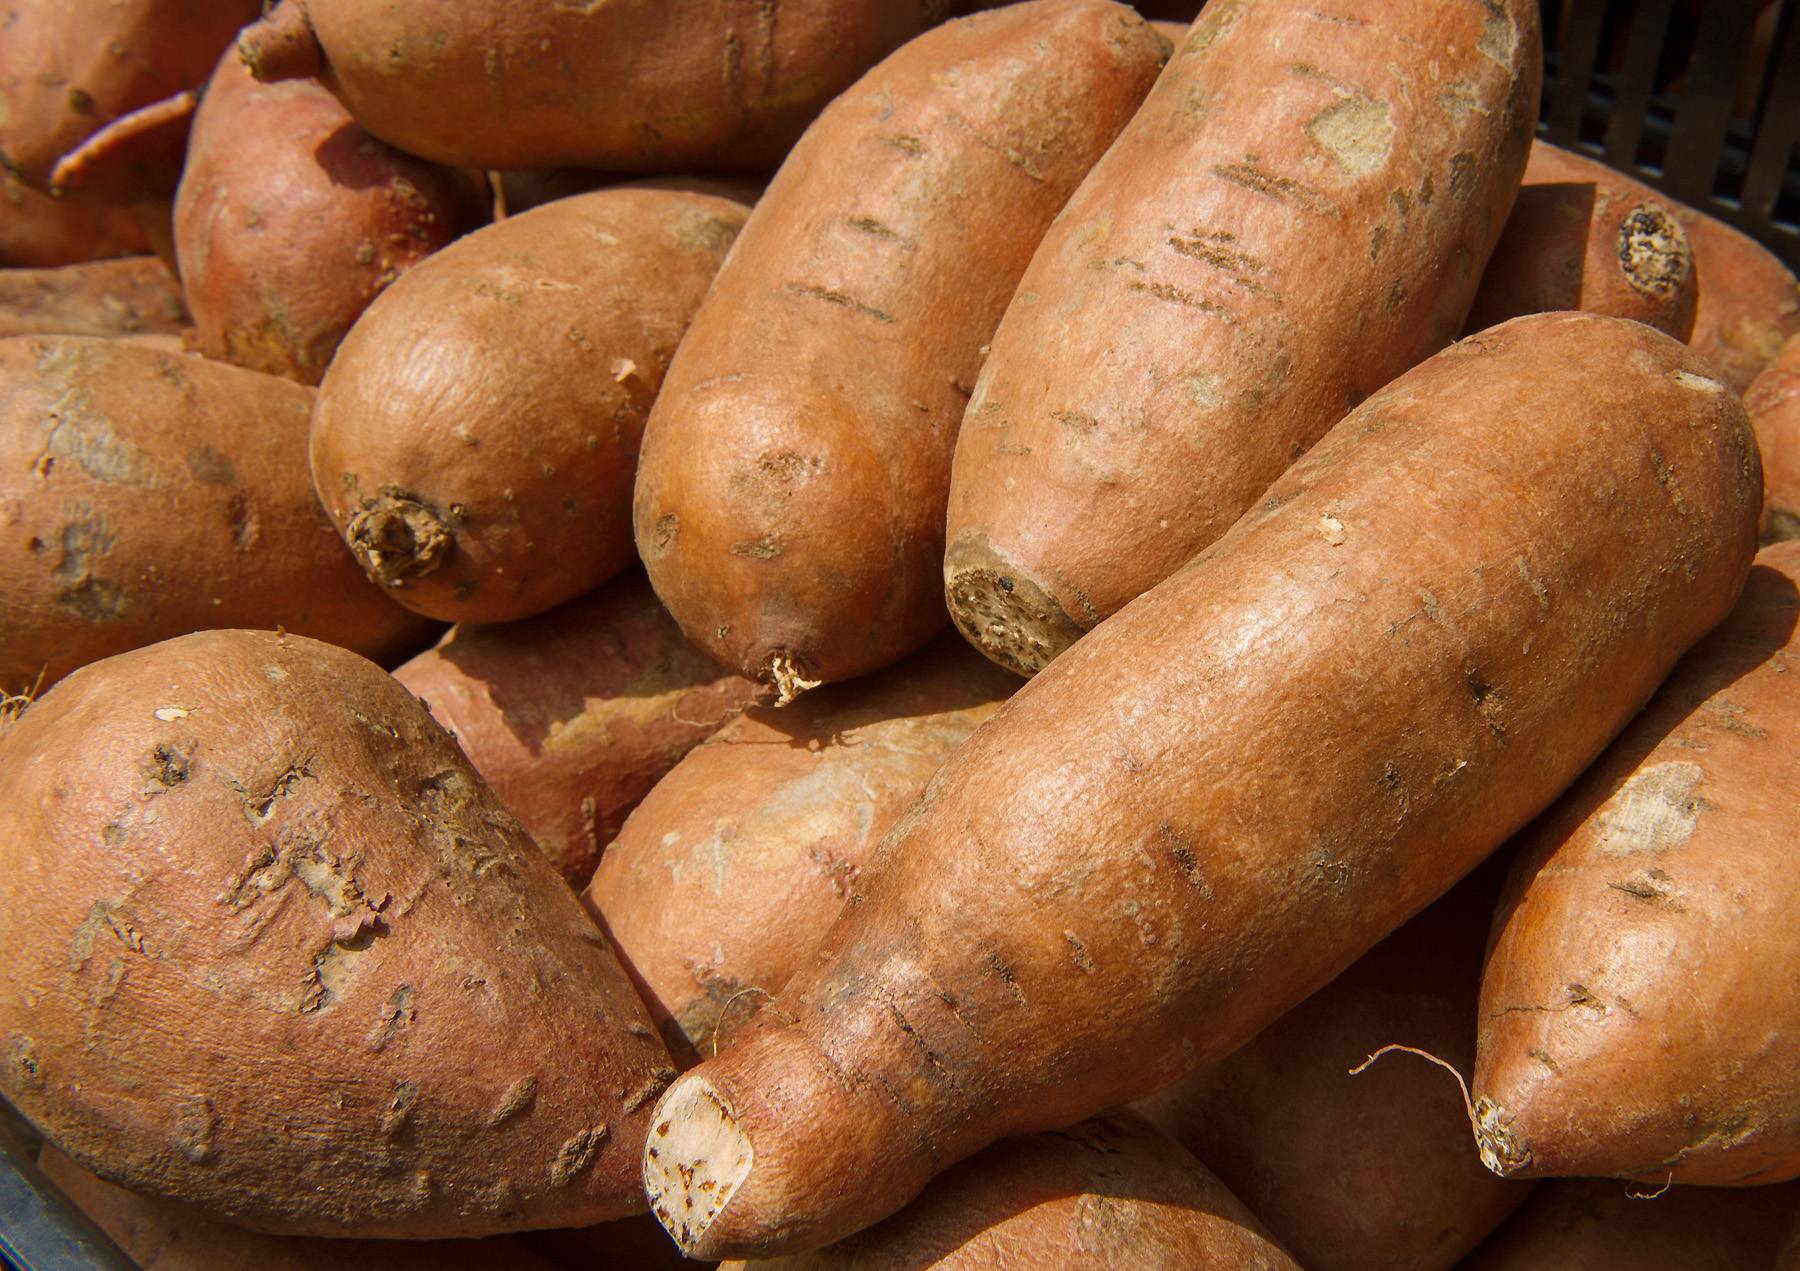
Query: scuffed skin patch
{"x":694,"y":1161}
{"x":1358,"y":133}
{"x":1653,"y":812}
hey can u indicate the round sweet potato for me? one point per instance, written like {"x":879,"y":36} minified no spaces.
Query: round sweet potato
{"x":133,"y":295}
{"x":290,"y":219}
{"x":572,"y":716}
{"x":477,"y":434}
{"x":626,"y":85}
{"x":145,"y":494}
{"x":732,"y":869}
{"x":275,"y":950}
{"x":1773,"y":401}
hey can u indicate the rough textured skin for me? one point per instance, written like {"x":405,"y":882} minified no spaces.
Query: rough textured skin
{"x":477,"y":434}
{"x":573,"y":715}
{"x":133,"y":295}
{"x":1749,"y":301}
{"x":144,"y":494}
{"x":626,"y":85}
{"x":1590,"y":1225}
{"x":1596,"y":246}
{"x":39,"y":232}
{"x":277,"y":951}
{"x":1108,"y":1193}
{"x":790,"y":498}
{"x":161,"y":1236}
{"x":733,"y":869}
{"x":1370,"y":1172}
{"x":1245,"y":779}
{"x":1774,"y":404}
{"x":1300,"y":211}
{"x":1640,"y":1013}
{"x":290,"y":219}
{"x":69,"y":67}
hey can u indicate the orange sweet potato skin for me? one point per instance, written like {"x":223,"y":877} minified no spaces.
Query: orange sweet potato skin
{"x":790,"y":496}
{"x":275,"y":951}
{"x":1596,"y":246}
{"x":628,"y":85}
{"x":1640,"y":1012}
{"x":161,"y":1236}
{"x":574,"y":715}
{"x":477,"y":433}
{"x":1243,"y":267}
{"x":144,"y":494}
{"x":1589,"y":1225}
{"x":1774,"y":404}
{"x":733,"y":868}
{"x":133,"y":295}
{"x":1228,"y":792}
{"x":290,"y":219}
{"x":1108,"y":1193}
{"x":1749,"y":302}
{"x":39,"y":232}
{"x":68,"y":67}
{"x":1371,"y":1171}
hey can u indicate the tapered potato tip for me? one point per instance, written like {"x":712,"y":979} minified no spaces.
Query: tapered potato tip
{"x":1002,"y":610}
{"x":281,"y":45}
{"x":131,"y":138}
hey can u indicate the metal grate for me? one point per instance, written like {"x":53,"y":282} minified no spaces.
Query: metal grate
{"x":1699,"y":98}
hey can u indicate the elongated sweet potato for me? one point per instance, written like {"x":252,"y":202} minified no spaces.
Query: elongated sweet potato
{"x":573,"y":715}
{"x":1638,"y":1018}
{"x":1774,"y":404}
{"x":1749,"y":301}
{"x":1372,"y":1171}
{"x":133,"y":295}
{"x":1110,"y":1192}
{"x":70,"y":67}
{"x":161,"y":1236}
{"x":1300,"y":211}
{"x":790,"y":496}
{"x":732,"y":870}
{"x":275,"y":950}
{"x":290,"y":219}
{"x":145,"y":494}
{"x":39,"y":232}
{"x":1243,"y":781}
{"x":1597,"y":246}
{"x":477,"y":434}
{"x":1589,"y":1225}
{"x":628,"y":85}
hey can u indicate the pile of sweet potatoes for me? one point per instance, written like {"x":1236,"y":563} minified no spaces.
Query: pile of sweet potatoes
{"x":1008,"y":560}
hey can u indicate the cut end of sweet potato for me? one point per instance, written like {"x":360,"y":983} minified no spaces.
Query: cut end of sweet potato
{"x":694,"y":1161}
{"x":1010,"y":617}
{"x":1502,"y":1151}
{"x":396,"y":537}
{"x":1653,"y":251}
{"x":281,"y":45}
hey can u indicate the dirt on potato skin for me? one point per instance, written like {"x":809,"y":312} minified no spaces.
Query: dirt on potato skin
{"x":277,"y":952}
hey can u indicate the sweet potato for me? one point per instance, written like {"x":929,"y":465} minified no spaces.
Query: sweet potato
{"x":1371,"y":1171}
{"x":161,"y":1236}
{"x":573,"y":715}
{"x":477,"y":433}
{"x":1590,"y":1225}
{"x":1108,"y":1193}
{"x":290,"y":219}
{"x":1774,"y":404}
{"x":1597,"y":246}
{"x":790,"y":496}
{"x":1300,"y":211}
{"x":70,"y":67}
{"x":1638,"y":1012}
{"x":731,"y":871}
{"x":146,"y":494}
{"x":39,"y":232}
{"x":1749,"y":301}
{"x":521,"y":191}
{"x":1240,"y":783}
{"x":132,"y":295}
{"x":275,"y":950}
{"x":628,"y":85}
